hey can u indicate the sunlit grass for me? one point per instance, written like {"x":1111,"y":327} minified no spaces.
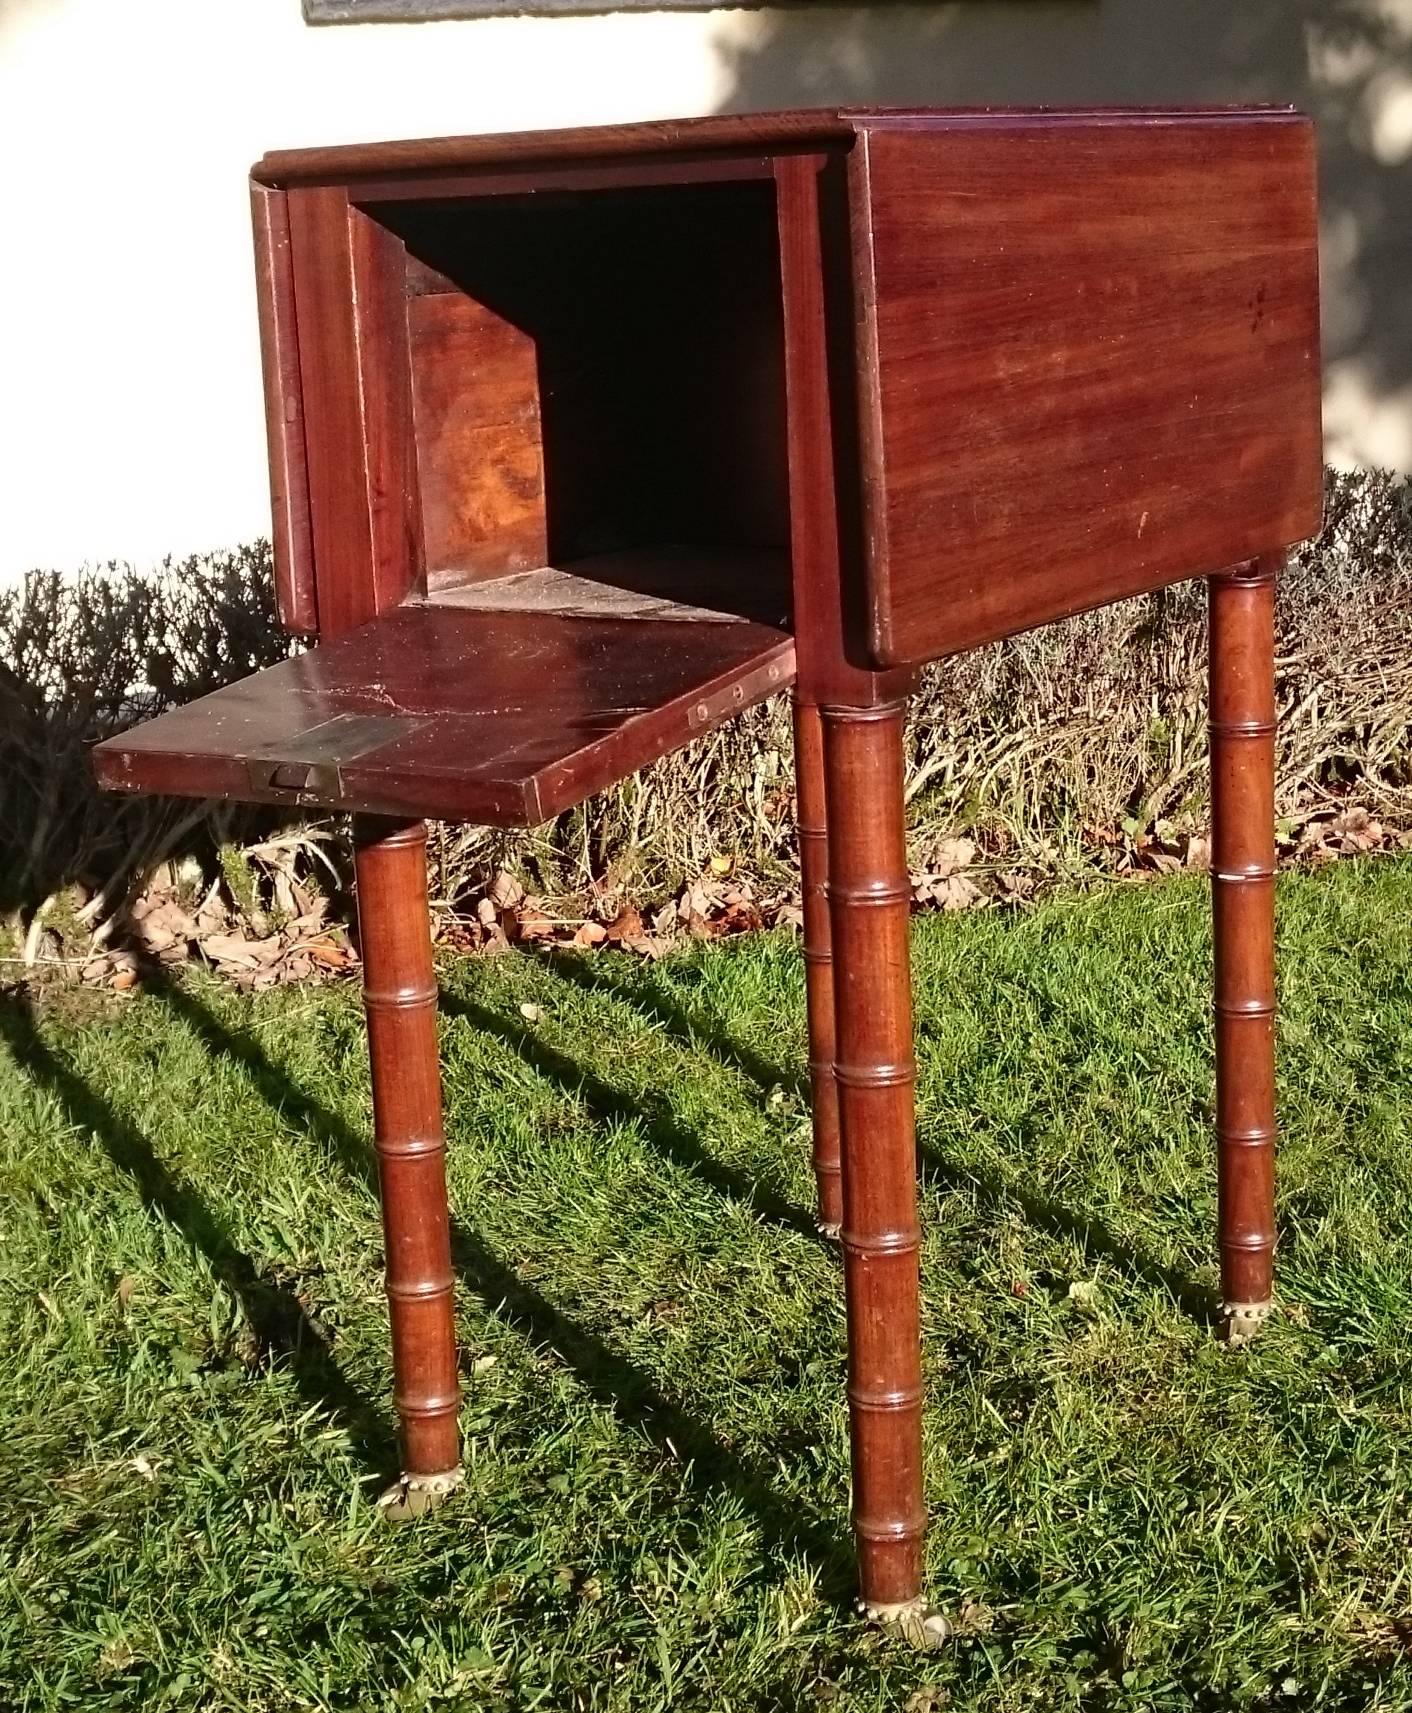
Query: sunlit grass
{"x":194,"y":1361}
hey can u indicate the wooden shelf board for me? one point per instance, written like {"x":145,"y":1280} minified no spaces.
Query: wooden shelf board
{"x":455,"y":712}
{"x":683,"y":584}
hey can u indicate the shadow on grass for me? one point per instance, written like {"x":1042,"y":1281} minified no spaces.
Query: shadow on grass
{"x":282,"y":1328}
{"x":653,"y":999}
{"x":652,"y":1115}
{"x":596,"y":975}
{"x":605,"y":1375}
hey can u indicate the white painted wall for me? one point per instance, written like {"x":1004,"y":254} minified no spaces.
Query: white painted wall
{"x":131,"y":425}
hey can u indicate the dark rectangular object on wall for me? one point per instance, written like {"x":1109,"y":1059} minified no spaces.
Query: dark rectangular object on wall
{"x":424,"y":11}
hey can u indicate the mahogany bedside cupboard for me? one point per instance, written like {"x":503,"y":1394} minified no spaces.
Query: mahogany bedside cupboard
{"x":580,"y":441}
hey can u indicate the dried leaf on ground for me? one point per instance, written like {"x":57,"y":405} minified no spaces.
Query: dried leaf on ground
{"x":1356,"y":830}
{"x":1016,"y":885}
{"x":532,"y":922}
{"x":950,"y":892}
{"x":505,"y":891}
{"x":950,"y":855}
{"x":626,"y":925}
{"x":329,"y":955}
{"x":231,"y":949}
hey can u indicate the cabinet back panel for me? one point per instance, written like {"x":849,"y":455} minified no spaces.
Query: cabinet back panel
{"x":480,"y":463}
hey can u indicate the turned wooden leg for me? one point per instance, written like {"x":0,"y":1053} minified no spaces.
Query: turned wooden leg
{"x":818,"y":961}
{"x":1243,"y":897}
{"x":399,"y":993}
{"x":868,"y":904}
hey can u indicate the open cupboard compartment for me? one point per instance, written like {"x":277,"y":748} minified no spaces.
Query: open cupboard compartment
{"x":598,"y":398}
{"x":564,"y":436}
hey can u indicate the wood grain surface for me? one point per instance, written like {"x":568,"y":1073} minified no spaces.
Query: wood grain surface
{"x":1090,"y":363}
{"x":499,"y":718}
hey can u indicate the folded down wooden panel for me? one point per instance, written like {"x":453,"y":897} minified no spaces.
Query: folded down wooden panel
{"x":1088,"y":358}
{"x":504,"y":718}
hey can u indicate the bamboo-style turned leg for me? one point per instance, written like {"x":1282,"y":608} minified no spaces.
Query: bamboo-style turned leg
{"x":1243,"y":896}
{"x":868,"y":903}
{"x":813,"y":831}
{"x":399,"y":993}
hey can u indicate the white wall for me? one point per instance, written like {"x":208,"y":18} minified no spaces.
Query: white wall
{"x":131,"y":423}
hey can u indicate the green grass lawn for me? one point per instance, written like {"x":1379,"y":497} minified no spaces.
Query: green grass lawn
{"x":194,"y":1400}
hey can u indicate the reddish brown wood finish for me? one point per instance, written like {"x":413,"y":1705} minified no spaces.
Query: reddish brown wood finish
{"x":811,"y":822}
{"x":480,"y":455}
{"x":684,"y":141}
{"x":504,"y":717}
{"x":350,"y":298}
{"x":399,"y":993}
{"x":555,"y":418}
{"x":1090,"y":362}
{"x":1243,"y":895}
{"x":869,"y":899}
{"x":678,"y":139}
{"x":295,"y":596}
{"x":826,"y":546}
{"x":677,"y":174}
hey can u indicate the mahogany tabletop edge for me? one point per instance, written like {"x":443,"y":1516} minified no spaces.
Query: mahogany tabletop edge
{"x":786,"y":129}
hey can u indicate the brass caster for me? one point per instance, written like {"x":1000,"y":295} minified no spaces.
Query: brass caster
{"x":412,"y":1496}
{"x":832,"y":1230}
{"x":1243,"y":1320}
{"x":921,"y":1626}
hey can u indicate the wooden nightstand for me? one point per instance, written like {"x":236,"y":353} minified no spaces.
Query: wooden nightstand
{"x":581,"y":441}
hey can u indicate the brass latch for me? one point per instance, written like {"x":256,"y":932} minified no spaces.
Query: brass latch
{"x":307,"y":766}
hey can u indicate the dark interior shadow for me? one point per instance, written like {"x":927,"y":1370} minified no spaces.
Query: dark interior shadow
{"x":656,"y":385}
{"x":936,"y":1168}
{"x":284,"y":1333}
{"x":608,"y":1377}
